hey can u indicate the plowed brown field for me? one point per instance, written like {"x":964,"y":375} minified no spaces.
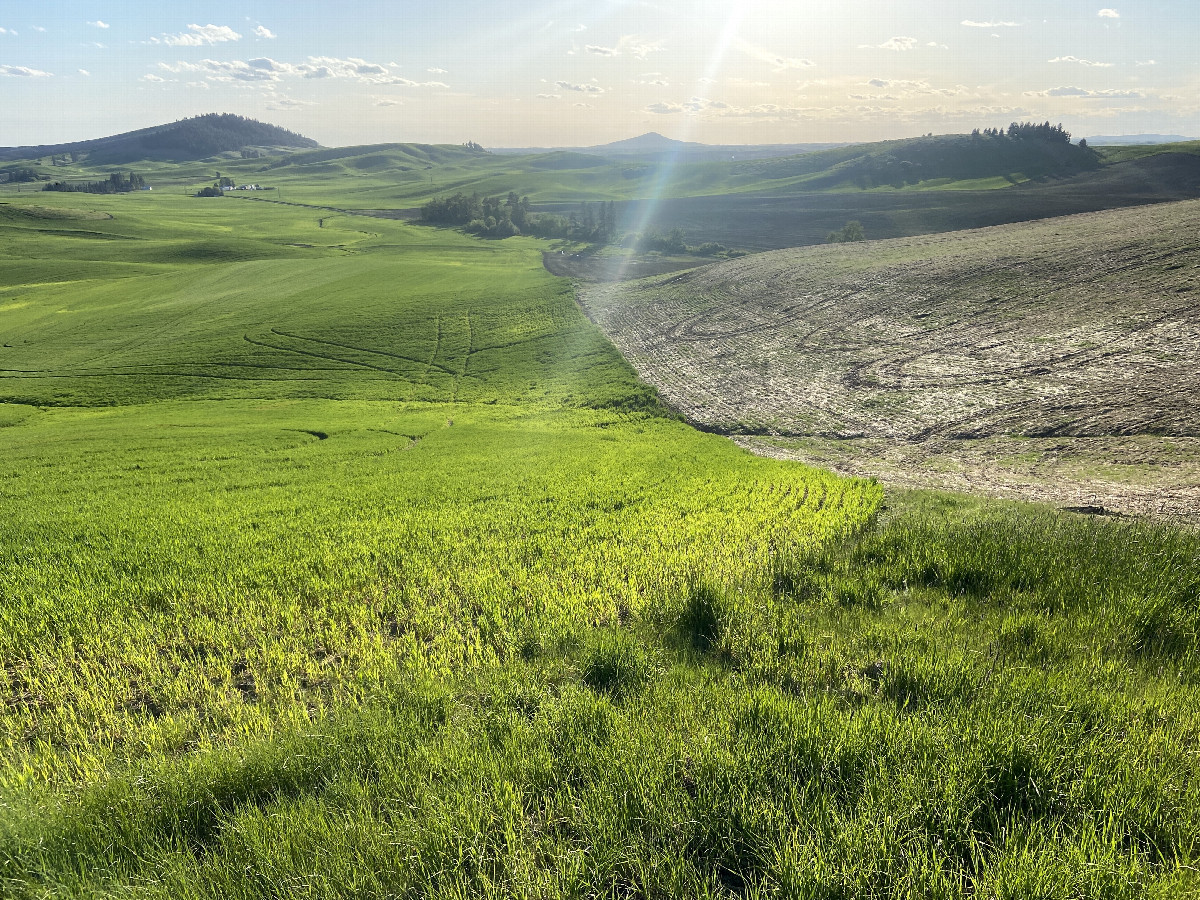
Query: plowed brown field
{"x":1054,"y":360}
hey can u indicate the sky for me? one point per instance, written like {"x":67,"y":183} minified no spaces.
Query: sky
{"x":569,"y":73}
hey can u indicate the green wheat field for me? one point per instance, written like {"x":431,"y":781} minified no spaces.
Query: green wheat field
{"x":350,"y":559}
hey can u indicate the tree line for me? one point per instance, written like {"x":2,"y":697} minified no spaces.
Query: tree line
{"x":117,"y":183}
{"x":1028,"y":131}
{"x":19,"y":174}
{"x":509,"y":216}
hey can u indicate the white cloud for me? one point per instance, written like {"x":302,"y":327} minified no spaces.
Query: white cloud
{"x":1086,"y":94}
{"x":263,"y":31}
{"x":1147,"y":62}
{"x":200,"y":35}
{"x":694,"y":106}
{"x":388,"y":101}
{"x":226,"y":71}
{"x":283,"y":103}
{"x":579,"y":28}
{"x":896,"y":44}
{"x":408,"y":82}
{"x":910,"y":87}
{"x":267,"y":69}
{"x":627,"y":45}
{"x":8,"y":31}
{"x":778,"y":63}
{"x":279,"y":101}
{"x":38,"y":28}
{"x":23,"y":72}
{"x":85,"y":73}
{"x":153,"y":79}
{"x":99,"y":24}
{"x":1109,"y":14}
{"x":969,"y":23}
{"x":579,"y":88}
{"x":265,"y":62}
{"x":436,"y":71}
{"x":549,"y":96}
{"x":1082,"y":62}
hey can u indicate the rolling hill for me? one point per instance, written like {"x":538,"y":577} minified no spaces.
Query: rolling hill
{"x":200,"y":137}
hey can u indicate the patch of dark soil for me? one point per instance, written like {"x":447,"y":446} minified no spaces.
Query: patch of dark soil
{"x":585,"y":267}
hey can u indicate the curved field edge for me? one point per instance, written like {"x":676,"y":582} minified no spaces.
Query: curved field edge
{"x":1047,"y":360}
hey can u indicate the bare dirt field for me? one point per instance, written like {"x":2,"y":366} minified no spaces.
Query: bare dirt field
{"x":1052,"y":360}
{"x":615,"y":267}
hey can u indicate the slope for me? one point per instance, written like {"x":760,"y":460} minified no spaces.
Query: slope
{"x":199,"y":137}
{"x":1074,"y":334}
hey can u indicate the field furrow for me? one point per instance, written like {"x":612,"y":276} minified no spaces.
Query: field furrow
{"x":1082,"y":329}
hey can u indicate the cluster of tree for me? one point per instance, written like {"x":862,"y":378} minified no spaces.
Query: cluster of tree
{"x":187,"y":139}
{"x":1032,"y":150}
{"x":19,"y":174}
{"x":505,"y":217}
{"x":216,"y":133}
{"x":849,"y":233}
{"x":474,"y":147}
{"x":1028,"y":131}
{"x":117,"y":183}
{"x":655,"y":242}
{"x":672,"y":242}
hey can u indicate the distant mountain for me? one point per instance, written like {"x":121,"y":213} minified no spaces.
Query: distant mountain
{"x":653,"y":144}
{"x":1120,"y":140}
{"x":188,"y":139}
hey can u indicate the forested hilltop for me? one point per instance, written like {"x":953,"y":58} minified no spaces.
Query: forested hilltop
{"x":188,"y":139}
{"x":1024,"y":150}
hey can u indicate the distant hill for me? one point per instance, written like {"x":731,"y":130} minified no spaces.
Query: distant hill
{"x":188,"y":139}
{"x":1119,"y":140}
{"x":651,"y":142}
{"x":930,"y":161}
{"x":374,"y":158}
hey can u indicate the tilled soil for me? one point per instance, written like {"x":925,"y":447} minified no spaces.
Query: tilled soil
{"x":949,"y":360}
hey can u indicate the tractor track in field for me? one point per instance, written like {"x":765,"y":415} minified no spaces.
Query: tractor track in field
{"x":324,"y":356}
{"x":1050,"y":360}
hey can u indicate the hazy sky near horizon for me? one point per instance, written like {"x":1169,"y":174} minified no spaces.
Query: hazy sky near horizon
{"x":562,"y":72}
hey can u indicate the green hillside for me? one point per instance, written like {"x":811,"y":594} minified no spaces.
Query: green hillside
{"x":365,"y":178}
{"x":199,"y":137}
{"x":1141,"y":151}
{"x":344,"y":557}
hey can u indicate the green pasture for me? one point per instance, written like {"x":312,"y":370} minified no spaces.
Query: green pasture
{"x":352,"y":560}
